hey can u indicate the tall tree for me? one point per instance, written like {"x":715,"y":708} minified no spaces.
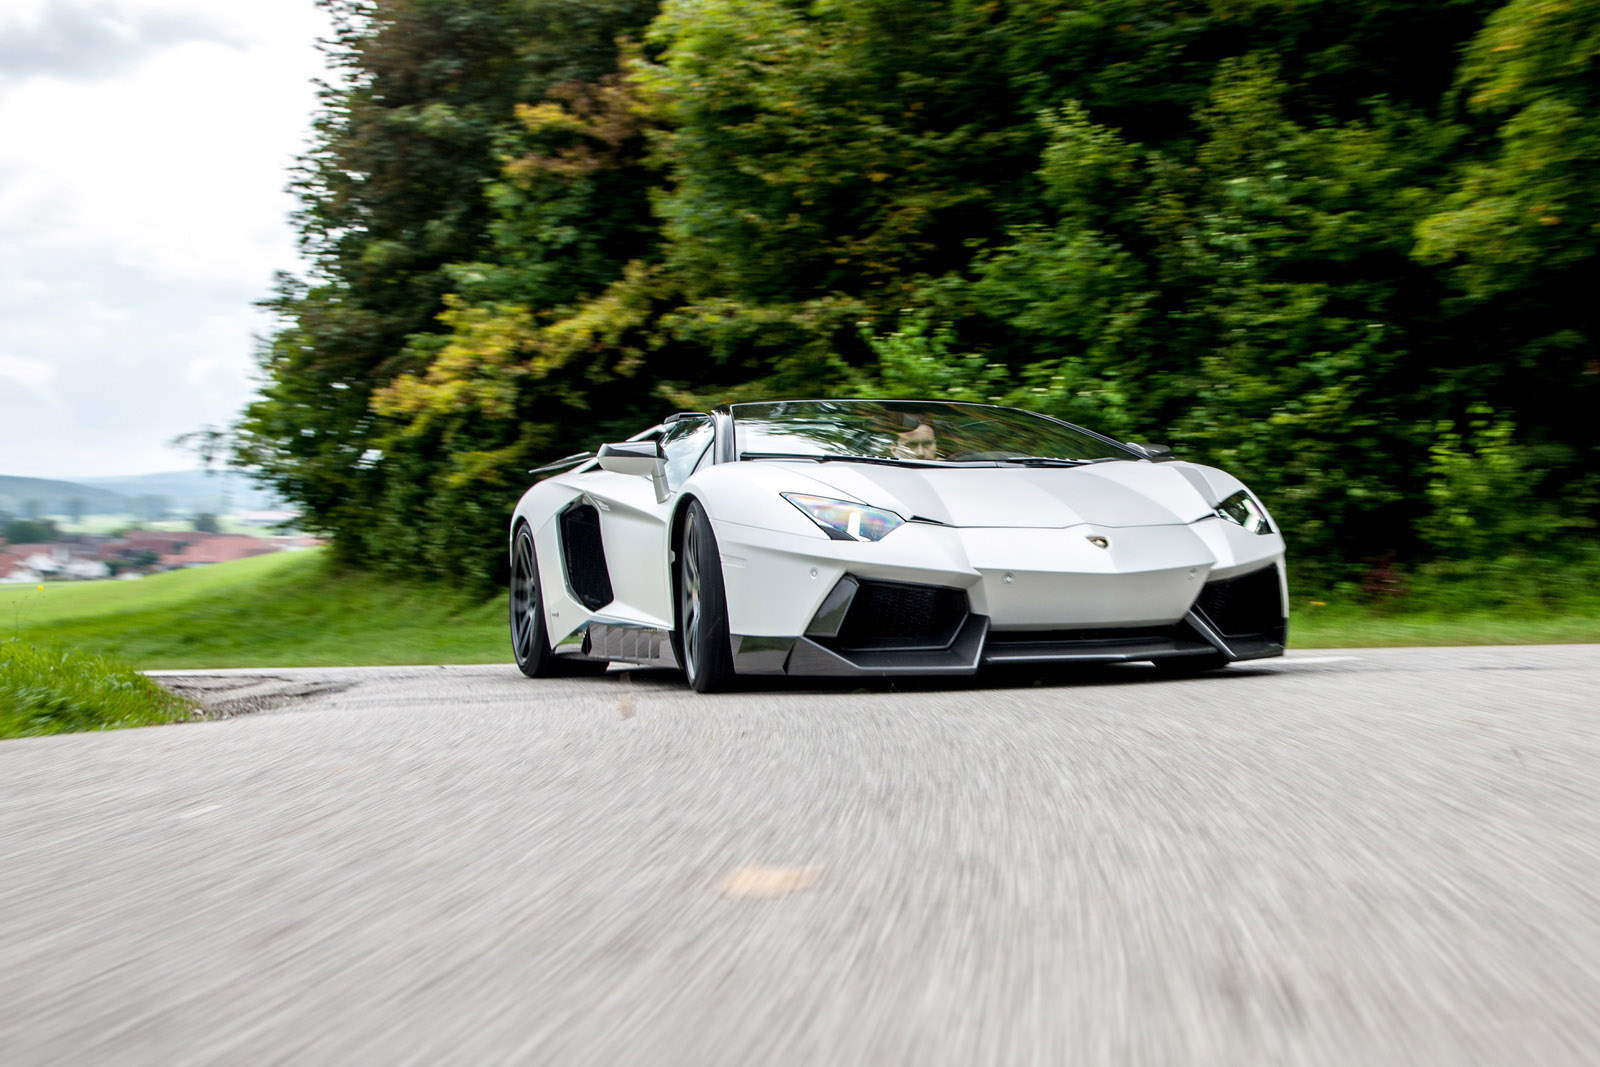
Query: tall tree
{"x":414,"y":124}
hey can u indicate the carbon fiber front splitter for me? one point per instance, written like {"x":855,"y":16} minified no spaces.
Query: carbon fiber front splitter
{"x":975,"y":647}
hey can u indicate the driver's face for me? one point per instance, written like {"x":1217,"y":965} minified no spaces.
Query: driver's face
{"x":918,"y":443}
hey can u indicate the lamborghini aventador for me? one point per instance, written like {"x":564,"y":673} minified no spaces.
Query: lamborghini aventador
{"x":883,"y":537}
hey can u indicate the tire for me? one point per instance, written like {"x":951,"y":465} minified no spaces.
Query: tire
{"x":530,"y":641}
{"x":1189,"y":666}
{"x":706,"y":652}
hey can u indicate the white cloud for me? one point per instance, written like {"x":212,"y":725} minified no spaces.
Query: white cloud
{"x":30,"y":374}
{"x":143,"y":213}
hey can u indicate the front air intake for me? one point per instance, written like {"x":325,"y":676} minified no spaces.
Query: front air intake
{"x":899,"y":615}
{"x":1250,"y":605}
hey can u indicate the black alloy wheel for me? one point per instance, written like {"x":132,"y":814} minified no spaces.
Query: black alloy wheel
{"x":703,"y":607}
{"x":530,"y":641}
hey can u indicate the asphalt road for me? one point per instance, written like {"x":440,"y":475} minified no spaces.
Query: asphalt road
{"x":1364,"y":857}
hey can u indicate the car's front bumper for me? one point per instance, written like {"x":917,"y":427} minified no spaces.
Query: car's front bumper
{"x":988,"y":597}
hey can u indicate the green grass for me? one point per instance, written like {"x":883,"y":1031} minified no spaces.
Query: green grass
{"x":46,"y":690}
{"x":1515,"y":600}
{"x":284,"y":609}
{"x":1357,"y":628}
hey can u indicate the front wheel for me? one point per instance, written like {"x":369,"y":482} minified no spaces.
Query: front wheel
{"x":530,"y":641}
{"x":703,"y":606}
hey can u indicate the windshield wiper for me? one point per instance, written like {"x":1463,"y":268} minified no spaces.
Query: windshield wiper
{"x":882,"y":461}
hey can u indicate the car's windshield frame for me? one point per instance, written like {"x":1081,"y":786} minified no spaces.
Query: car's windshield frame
{"x":914,"y":424}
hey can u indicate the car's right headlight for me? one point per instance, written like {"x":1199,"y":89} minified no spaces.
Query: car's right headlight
{"x":843,"y":520}
{"x":1241,"y":508}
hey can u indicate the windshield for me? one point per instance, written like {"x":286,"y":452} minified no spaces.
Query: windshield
{"x":911,"y":430}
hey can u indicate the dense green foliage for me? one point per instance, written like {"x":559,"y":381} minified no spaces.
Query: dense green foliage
{"x":1345,"y":248}
{"x":45,"y":690}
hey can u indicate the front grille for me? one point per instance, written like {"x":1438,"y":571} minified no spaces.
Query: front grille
{"x":886,"y":615}
{"x":1248,"y":605}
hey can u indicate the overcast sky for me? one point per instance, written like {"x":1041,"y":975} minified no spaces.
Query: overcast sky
{"x":144,"y":150}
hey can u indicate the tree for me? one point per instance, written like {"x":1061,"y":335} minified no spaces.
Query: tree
{"x":30,"y":531}
{"x":421,"y":117}
{"x":206,"y":522}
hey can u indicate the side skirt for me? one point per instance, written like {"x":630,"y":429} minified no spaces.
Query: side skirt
{"x":619,"y":641}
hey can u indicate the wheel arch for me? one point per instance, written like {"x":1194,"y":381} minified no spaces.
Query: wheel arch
{"x":680,"y":515}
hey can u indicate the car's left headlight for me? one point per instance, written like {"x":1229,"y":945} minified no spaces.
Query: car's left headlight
{"x":1241,"y":508}
{"x":846,"y":521}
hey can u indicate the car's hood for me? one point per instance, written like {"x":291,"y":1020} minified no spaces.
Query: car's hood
{"x":1120,"y":493}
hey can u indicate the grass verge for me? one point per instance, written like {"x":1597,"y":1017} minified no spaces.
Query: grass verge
{"x":1517,"y":600}
{"x":46,"y":690}
{"x":1354,"y":628}
{"x":285,"y":609}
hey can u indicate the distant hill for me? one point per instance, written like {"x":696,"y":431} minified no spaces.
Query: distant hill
{"x":55,"y":497}
{"x":187,"y":492}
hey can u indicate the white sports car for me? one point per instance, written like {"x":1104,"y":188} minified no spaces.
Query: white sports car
{"x":881,"y":537}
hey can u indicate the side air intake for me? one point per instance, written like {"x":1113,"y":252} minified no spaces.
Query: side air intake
{"x":584,"y":555}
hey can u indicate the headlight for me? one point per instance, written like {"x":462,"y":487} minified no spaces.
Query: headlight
{"x":1241,"y":508}
{"x":844,"y":521}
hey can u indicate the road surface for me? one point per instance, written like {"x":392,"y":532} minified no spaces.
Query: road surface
{"x":1357,"y":857}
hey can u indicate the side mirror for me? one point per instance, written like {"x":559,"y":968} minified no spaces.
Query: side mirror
{"x":643,"y":458}
{"x":1154,"y":453}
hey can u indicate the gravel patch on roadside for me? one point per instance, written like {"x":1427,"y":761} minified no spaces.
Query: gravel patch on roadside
{"x":225,"y":696}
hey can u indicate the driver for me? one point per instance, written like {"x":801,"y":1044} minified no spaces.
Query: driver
{"x":918,"y":442}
